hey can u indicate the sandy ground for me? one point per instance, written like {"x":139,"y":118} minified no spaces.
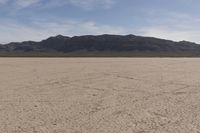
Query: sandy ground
{"x":99,"y":95}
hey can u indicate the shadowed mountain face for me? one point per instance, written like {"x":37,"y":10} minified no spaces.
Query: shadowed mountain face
{"x":102,"y":45}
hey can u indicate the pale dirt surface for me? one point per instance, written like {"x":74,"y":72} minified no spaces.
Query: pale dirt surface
{"x":99,"y":95}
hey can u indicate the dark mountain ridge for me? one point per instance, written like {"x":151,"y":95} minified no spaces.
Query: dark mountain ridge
{"x":102,"y":45}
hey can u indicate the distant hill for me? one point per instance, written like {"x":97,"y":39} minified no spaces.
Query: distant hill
{"x":101,"y":46}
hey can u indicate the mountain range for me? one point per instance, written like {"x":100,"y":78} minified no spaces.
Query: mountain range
{"x":101,"y":46}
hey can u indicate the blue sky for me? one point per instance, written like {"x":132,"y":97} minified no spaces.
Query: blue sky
{"x":22,"y":20}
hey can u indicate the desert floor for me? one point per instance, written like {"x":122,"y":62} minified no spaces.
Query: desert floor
{"x":99,"y":95}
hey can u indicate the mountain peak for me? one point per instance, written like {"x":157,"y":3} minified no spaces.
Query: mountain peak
{"x":60,"y":36}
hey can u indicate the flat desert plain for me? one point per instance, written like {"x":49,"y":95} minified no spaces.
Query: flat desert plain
{"x":99,"y":95}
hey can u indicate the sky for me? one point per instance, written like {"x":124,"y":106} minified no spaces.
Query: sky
{"x":23,"y":20}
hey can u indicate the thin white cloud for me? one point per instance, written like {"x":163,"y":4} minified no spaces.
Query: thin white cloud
{"x":84,"y":4}
{"x":173,"y":26}
{"x":3,"y":1}
{"x":90,"y":4}
{"x":171,"y":34}
{"x":37,"y":31}
{"x":26,"y":3}
{"x":20,"y":3}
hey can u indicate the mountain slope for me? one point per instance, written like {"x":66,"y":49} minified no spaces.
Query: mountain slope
{"x":101,"y":45}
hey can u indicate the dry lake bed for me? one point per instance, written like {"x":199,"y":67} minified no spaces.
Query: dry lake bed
{"x":99,"y":95}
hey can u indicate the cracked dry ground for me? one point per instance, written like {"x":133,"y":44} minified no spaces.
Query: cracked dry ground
{"x":99,"y":95}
